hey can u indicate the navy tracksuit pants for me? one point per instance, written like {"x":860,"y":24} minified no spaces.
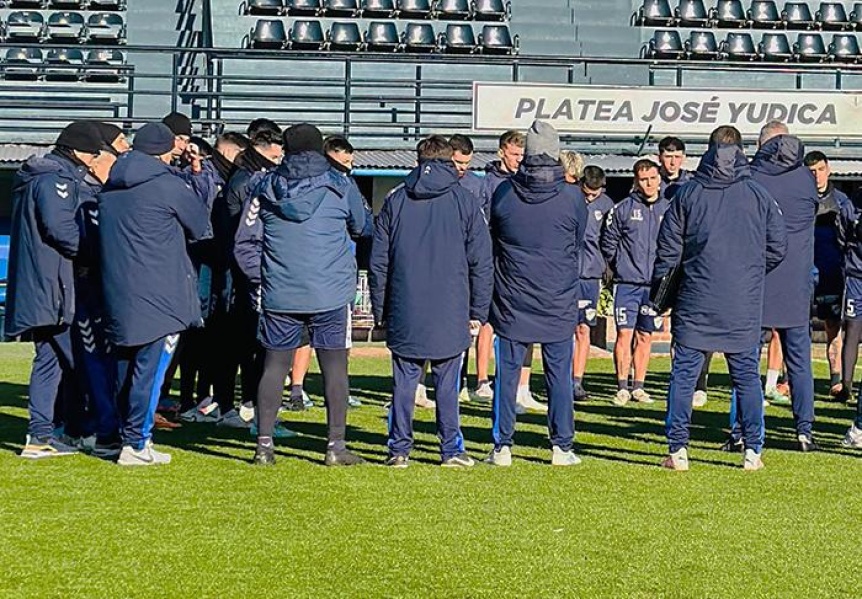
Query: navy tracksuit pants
{"x":140,"y":373}
{"x":406,"y":373}
{"x":744,"y":370}
{"x":557,"y":362}
{"x":53,"y":361}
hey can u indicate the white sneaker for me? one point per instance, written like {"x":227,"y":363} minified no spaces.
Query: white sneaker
{"x":622,"y":397}
{"x":752,"y":461}
{"x":205,"y":411}
{"x":699,"y":399}
{"x":352,"y":402}
{"x":528,"y":402}
{"x":641,"y":396}
{"x":483,"y":393}
{"x":853,"y":438}
{"x":306,"y":400}
{"x":421,"y":399}
{"x":677,"y":460}
{"x":464,"y":395}
{"x":246,"y":412}
{"x":500,"y":457}
{"x":144,"y":457}
{"x":233,"y":419}
{"x":564,"y":458}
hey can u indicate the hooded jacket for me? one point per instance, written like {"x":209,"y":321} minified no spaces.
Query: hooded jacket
{"x":628,"y":239}
{"x":44,"y":239}
{"x":308,"y":212}
{"x":431,"y":267}
{"x":593,"y":264}
{"x":147,"y":213}
{"x":828,"y":254}
{"x":472,"y":183}
{"x":669,"y":188}
{"x":727,"y":232}
{"x":494,"y":176}
{"x":778,"y":167}
{"x":537,"y":226}
{"x":848,"y":238}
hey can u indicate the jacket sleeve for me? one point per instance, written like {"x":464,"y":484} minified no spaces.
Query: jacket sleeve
{"x":360,"y":222}
{"x":191,"y":211}
{"x":248,"y":241}
{"x":582,"y":215}
{"x":846,"y":223}
{"x":669,"y":246}
{"x":378,"y":271}
{"x":609,"y":241}
{"x":479,"y":261}
{"x":776,"y":235}
{"x":55,"y":215}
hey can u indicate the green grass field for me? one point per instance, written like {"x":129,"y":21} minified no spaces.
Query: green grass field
{"x":210,"y":525}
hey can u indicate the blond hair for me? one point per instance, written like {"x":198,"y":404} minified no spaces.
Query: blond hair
{"x":573,"y":163}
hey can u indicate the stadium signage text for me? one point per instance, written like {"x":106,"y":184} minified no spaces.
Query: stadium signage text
{"x":611,"y":110}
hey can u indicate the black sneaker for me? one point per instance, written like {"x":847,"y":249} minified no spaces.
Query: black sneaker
{"x":732,"y":446}
{"x":109,"y":450}
{"x":264,"y":456}
{"x":398,"y":461}
{"x":462,"y":460}
{"x":843,"y":396}
{"x":342,"y":458}
{"x":581,"y":395}
{"x":807,"y":444}
{"x":295,"y":404}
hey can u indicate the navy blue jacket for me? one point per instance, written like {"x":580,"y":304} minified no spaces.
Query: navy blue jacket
{"x":472,"y":183}
{"x":537,"y":225}
{"x":828,"y":254}
{"x":431,"y":268}
{"x":629,"y":238}
{"x":778,"y":167}
{"x":851,"y":246}
{"x":727,"y":232}
{"x":309,"y":212}
{"x":44,"y":239}
{"x":494,"y":176}
{"x":593,"y":263}
{"x":146,"y":214}
{"x":670,"y":188}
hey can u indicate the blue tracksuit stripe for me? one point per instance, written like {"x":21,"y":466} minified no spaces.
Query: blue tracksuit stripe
{"x":495,"y":402}
{"x":167,"y":353}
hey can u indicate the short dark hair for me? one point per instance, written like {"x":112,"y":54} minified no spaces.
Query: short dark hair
{"x":337,"y":143}
{"x":513,"y":137}
{"x":671,"y":144}
{"x":258,"y":125}
{"x":267,"y":137}
{"x":726,"y":134}
{"x":594,"y":177}
{"x":461,"y":143}
{"x":813,"y":157}
{"x":644,"y":164}
{"x":233,"y":138}
{"x":434,"y":147}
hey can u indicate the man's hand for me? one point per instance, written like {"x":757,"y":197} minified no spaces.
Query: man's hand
{"x":194,"y":158}
{"x":475,"y":327}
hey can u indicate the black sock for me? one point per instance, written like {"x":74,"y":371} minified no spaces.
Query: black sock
{"x":333,"y":367}
{"x":275,"y":368}
{"x":850,"y":351}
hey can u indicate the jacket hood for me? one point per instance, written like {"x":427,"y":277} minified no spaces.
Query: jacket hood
{"x":299,"y":185}
{"x":135,"y":168}
{"x":431,"y":179}
{"x":539,"y":179}
{"x":722,"y":165}
{"x":495,"y":169}
{"x":780,"y":154}
{"x":42,"y":165}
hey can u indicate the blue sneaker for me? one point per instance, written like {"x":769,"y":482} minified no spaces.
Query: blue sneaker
{"x":280,"y":432}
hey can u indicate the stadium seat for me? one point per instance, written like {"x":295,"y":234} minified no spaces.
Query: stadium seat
{"x":809,"y":47}
{"x":458,"y":39}
{"x":491,"y":10}
{"x":306,"y":35}
{"x":115,"y":5}
{"x":655,"y":13}
{"x":23,"y":63}
{"x":311,"y":8}
{"x":831,"y":15}
{"x":104,"y":66}
{"x":844,"y":48}
{"x":24,"y":26}
{"x":691,"y":13}
{"x":774,"y":47}
{"x":341,"y":8}
{"x":268,"y":34}
{"x":106,"y":28}
{"x":764,"y":14}
{"x":382,"y":36}
{"x":797,"y":15}
{"x":419,"y":37}
{"x":454,"y":10}
{"x":738,"y":46}
{"x":855,"y":17}
{"x":344,"y":37}
{"x":66,"y":27}
{"x":379,"y":9}
{"x":729,"y":13}
{"x":37,"y":4}
{"x":496,"y":39}
{"x":415,"y":9}
{"x":64,"y":64}
{"x":264,"y":7}
{"x":665,"y":43}
{"x":68,"y":4}
{"x":701,"y":45}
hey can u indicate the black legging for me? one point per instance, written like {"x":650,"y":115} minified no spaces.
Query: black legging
{"x":850,"y":352}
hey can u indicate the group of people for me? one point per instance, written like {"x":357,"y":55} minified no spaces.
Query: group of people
{"x":128,"y":261}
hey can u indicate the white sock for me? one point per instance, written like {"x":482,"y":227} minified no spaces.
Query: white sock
{"x":772,"y":378}
{"x":523,"y":389}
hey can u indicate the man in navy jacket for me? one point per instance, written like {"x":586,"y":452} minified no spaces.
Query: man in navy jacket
{"x":725,"y":232}
{"x":40,"y":298}
{"x":147,"y":213}
{"x":537,"y":225}
{"x":778,"y":167}
{"x":431,"y":280}
{"x":671,"y":157}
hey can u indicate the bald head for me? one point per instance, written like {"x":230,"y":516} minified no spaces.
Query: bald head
{"x":772,"y":129}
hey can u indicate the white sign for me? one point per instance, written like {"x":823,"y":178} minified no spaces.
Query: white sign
{"x":670,"y":111}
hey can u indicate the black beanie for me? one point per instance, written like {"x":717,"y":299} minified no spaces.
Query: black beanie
{"x":178,"y":123}
{"x":82,"y":136}
{"x":108,"y":132}
{"x":303,"y":138}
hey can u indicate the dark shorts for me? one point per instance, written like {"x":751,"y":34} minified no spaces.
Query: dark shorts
{"x":853,"y":299}
{"x":827,"y":307}
{"x":588,"y":303}
{"x":633,"y":310}
{"x":325,"y":330}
